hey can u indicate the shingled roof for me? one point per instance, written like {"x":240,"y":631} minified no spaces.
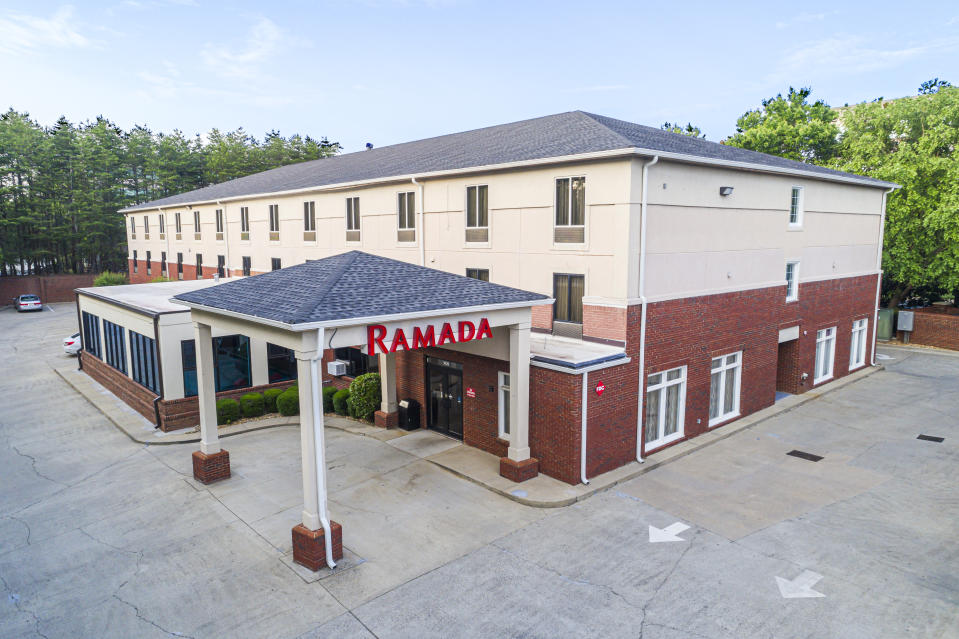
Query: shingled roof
{"x":353,"y":285}
{"x":553,"y":136}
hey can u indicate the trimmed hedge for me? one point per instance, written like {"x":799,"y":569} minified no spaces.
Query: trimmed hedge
{"x":328,"y":393}
{"x":227,"y":411}
{"x":288,"y":403}
{"x":340,"y":398}
{"x":365,"y":396}
{"x":269,"y":399}
{"x":252,"y":405}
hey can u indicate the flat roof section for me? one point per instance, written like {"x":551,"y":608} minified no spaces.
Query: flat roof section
{"x":152,"y":298}
{"x":572,"y":354}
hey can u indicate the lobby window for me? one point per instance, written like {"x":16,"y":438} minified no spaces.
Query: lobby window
{"x":143,"y":361}
{"x":177,"y":225}
{"x":133,"y":228}
{"x":219,"y":225}
{"x":231,"y":364}
{"x":246,"y":265}
{"x":221,"y":265}
{"x":136,"y":264}
{"x":244,"y":223}
{"x":309,"y":221}
{"x":665,"y":407}
{"x":568,"y":293}
{"x":477,"y":214}
{"x":91,"y":334}
{"x":478,"y":273}
{"x":857,"y":347}
{"x":149,"y":262}
{"x":352,"y":219}
{"x":275,"y":263}
{"x":503,"y":405}
{"x":792,"y":281}
{"x":825,"y":354}
{"x":196,"y":225}
{"x":796,"y":207}
{"x":199,"y":266}
{"x":146,"y":227}
{"x":274,"y":222}
{"x":406,"y":217}
{"x":570,"y":222}
{"x":115,"y":350}
{"x":162,"y":226}
{"x":163,"y":266}
{"x":357,"y":361}
{"x":179,"y":266}
{"x":724,"y":383}
{"x":280,"y":363}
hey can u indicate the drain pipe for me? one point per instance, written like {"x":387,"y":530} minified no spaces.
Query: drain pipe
{"x":422,"y":215}
{"x":582,"y":456}
{"x":882,"y":228}
{"x":319,"y":448}
{"x":642,"y":321}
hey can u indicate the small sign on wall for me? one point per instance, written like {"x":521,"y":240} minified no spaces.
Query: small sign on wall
{"x":600,"y":388}
{"x":470,"y":392}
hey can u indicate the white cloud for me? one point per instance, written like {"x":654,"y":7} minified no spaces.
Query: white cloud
{"x":853,"y":54}
{"x":805,"y":18}
{"x":264,"y":40}
{"x":21,"y":33}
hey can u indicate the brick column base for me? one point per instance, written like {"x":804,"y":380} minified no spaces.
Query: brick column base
{"x":518,"y":471}
{"x":210,"y":468}
{"x":386,"y":420}
{"x":309,"y":546}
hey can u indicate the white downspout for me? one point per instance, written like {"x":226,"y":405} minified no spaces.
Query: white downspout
{"x":582,"y":456}
{"x":319,"y":447}
{"x":875,"y":317}
{"x":422,"y":230}
{"x":642,"y":321}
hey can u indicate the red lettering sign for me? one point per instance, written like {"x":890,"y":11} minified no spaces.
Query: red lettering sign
{"x":470,"y":392}
{"x":600,"y":388}
{"x":374,"y":337}
{"x":466,"y":331}
{"x":423,"y":339}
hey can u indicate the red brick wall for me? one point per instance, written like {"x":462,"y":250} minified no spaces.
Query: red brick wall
{"x":605,"y":322}
{"x":185,"y":412}
{"x":135,"y":396}
{"x":555,"y":423}
{"x":936,"y":326}
{"x":50,"y":288}
{"x":542,"y":317}
{"x":788,"y":368}
{"x":189,"y":270}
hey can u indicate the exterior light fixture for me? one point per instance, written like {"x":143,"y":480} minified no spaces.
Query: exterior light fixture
{"x":725,"y":190}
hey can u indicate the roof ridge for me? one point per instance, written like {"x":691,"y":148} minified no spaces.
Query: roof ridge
{"x":304,"y":311}
{"x":592,"y":118}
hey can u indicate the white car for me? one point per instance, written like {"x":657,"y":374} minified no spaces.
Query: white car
{"x":72,"y":344}
{"x":27,"y":303}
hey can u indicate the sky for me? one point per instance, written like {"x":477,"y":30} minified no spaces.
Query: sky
{"x":387,"y":71}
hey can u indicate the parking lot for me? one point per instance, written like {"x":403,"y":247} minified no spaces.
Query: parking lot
{"x":104,"y":537}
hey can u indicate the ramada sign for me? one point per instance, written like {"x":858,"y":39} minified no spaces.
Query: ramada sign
{"x":465,"y":332}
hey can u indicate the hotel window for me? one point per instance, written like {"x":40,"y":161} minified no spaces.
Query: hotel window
{"x":792,"y":281}
{"x":91,"y":334}
{"x":231,"y":364}
{"x":143,"y":361}
{"x":133,"y":228}
{"x":274,"y":222}
{"x":163,"y":267}
{"x":136,"y":265}
{"x":244,"y":223}
{"x":146,"y":227}
{"x":178,"y":226}
{"x":503,"y":405}
{"x":352,"y":219}
{"x":406,"y":217}
{"x":570,"y":223}
{"x":357,"y":361}
{"x":796,"y":207}
{"x":568,"y":293}
{"x":149,"y":264}
{"x":309,"y":221}
{"x":246,"y":265}
{"x":724,"y":384}
{"x":478,"y":273}
{"x":825,"y":354}
{"x":179,"y":266}
{"x":857,"y":348}
{"x":199,"y":266}
{"x":221,"y":265}
{"x":162,"y":226}
{"x":275,"y":263}
{"x":196,"y":225}
{"x":115,"y":350}
{"x":477,"y":214}
{"x":219,"y":224}
{"x":280,"y":363}
{"x":665,"y":407}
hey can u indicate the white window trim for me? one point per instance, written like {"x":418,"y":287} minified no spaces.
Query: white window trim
{"x":820,"y":338}
{"x":309,"y":213}
{"x":360,"y":219}
{"x":500,"y":387}
{"x":724,"y":370}
{"x":396,"y":218}
{"x":269,"y":213}
{"x":863,"y":333}
{"x":681,"y":417}
{"x":563,"y":246}
{"x":466,"y":225}
{"x":800,"y":208}
{"x":245,"y":217}
{"x":197,"y":224}
{"x":795,"y":295}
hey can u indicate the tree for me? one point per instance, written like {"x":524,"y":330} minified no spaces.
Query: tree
{"x":689,"y":130}
{"x":790,"y":127}
{"x":932,"y":86}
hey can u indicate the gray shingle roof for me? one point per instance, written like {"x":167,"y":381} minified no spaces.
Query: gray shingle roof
{"x":563,"y":134}
{"x":352,"y":285}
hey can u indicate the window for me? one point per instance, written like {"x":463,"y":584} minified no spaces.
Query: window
{"x":857,"y":348}
{"x":352,"y":219}
{"x":221,"y":265}
{"x":570,"y":223}
{"x":115,"y":350}
{"x":568,"y":293}
{"x":176,"y":223}
{"x":91,"y":334}
{"x":143,"y":361}
{"x":196,"y":222}
{"x":179,"y":266}
{"x":274,"y":222}
{"x":149,"y":261}
{"x":275,"y":263}
{"x":231,"y":364}
{"x":796,"y":207}
{"x":188,"y":358}
{"x":163,"y":267}
{"x":246,"y":265}
{"x":724,"y":383}
{"x":665,"y":407}
{"x":478,"y":273}
{"x":825,"y":354}
{"x":503,"y":405}
{"x":357,"y":361}
{"x":309,"y":216}
{"x":133,"y":228}
{"x":280,"y":363}
{"x":244,"y":223}
{"x":792,"y":281}
{"x":136,"y":265}
{"x":219,"y":224}
{"x":406,"y":222}
{"x":162,"y":226}
{"x":146,"y":227}
{"x":477,"y":214}
{"x":199,"y":266}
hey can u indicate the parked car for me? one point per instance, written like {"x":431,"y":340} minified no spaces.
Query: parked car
{"x":28,"y":303}
{"x":72,"y":344}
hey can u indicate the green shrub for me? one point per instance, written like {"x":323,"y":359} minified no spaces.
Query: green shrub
{"x":328,"y":393}
{"x":340,"y":398}
{"x":227,"y":411}
{"x":156,"y":280}
{"x":269,"y":399}
{"x":108,"y":278}
{"x":365,"y":396}
{"x":288,"y":403}
{"x":251,"y":405}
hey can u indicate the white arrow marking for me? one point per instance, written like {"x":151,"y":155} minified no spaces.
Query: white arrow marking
{"x":669,"y":533}
{"x":800,"y":587}
{"x":882,"y":356}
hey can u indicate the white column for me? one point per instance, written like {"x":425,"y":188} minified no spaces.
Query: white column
{"x":519,"y":392}
{"x":388,"y":382}
{"x":205,"y":388}
{"x":311,"y":504}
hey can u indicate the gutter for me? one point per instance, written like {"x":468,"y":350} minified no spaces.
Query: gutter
{"x":83,"y":341}
{"x":422,"y":214}
{"x":319,"y":448}
{"x":882,"y":229}
{"x":159,"y":360}
{"x":642,"y":300}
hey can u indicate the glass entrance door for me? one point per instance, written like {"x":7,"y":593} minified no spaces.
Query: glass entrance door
{"x":445,"y":380}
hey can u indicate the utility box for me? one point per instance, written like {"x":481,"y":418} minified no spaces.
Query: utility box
{"x":886,"y":323}
{"x":409,"y":414}
{"x":906,"y":321}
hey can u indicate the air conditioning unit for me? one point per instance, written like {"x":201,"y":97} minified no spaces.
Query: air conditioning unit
{"x":336,"y":368}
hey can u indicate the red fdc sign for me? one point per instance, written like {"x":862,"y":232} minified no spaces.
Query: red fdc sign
{"x":600,"y":388}
{"x":466,"y":331}
{"x":470,"y":392}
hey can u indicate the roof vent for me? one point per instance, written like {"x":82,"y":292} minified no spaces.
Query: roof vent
{"x":369,"y":146}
